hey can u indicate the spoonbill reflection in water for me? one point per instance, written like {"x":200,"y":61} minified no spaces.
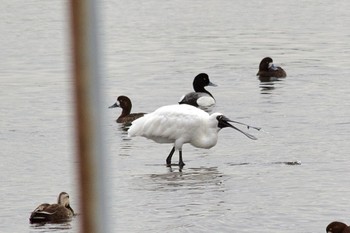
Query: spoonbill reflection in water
{"x":180,"y":124}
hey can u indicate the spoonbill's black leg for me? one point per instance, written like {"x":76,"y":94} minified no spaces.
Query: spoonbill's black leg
{"x":181,"y":162}
{"x":168,"y":159}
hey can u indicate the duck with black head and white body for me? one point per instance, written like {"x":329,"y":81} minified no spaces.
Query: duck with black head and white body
{"x":200,"y":98}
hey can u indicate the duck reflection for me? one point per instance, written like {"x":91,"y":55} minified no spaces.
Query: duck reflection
{"x":43,"y":227}
{"x":266,"y":87}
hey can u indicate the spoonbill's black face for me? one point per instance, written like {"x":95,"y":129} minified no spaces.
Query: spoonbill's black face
{"x":223,"y":122}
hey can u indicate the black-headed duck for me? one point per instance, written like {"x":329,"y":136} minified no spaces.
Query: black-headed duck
{"x":268,"y":70}
{"x":200,"y":98}
{"x":59,"y":212}
{"x":125,"y":104}
{"x":337,"y":227}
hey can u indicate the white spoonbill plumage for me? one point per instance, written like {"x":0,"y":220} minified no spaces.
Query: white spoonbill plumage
{"x":180,"y":124}
{"x":200,"y":98}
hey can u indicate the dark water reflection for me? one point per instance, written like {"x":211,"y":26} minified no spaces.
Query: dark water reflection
{"x":290,"y":163}
{"x":267,"y":85}
{"x":51,"y":227}
{"x":199,"y":179}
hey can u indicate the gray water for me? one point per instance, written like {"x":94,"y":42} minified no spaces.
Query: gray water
{"x":294,"y":178}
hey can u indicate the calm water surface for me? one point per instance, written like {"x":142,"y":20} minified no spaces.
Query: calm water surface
{"x":152,"y":51}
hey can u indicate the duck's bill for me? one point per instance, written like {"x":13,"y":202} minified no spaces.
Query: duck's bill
{"x":114,"y":105}
{"x":212,"y":84}
{"x":273,"y":66}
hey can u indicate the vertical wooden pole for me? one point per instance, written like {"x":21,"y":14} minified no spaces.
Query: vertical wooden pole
{"x":90,"y":150}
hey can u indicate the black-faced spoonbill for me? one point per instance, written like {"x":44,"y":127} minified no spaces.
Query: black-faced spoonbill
{"x":200,"y":98}
{"x":180,"y":124}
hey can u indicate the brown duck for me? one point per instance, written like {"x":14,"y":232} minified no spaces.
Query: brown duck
{"x":125,"y":104}
{"x":268,"y":70}
{"x":59,"y":212}
{"x":337,"y":227}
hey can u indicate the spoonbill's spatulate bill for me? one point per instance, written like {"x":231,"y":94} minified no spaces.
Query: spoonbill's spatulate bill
{"x":200,"y":98}
{"x":180,"y":124}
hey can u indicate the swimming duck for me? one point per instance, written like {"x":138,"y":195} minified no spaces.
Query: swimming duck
{"x":125,"y":103}
{"x":200,"y":98}
{"x":268,"y":70}
{"x":337,"y":227}
{"x":59,"y":212}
